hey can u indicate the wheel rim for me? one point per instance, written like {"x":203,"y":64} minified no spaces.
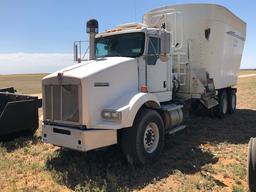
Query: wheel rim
{"x":151,"y":137}
{"x":225,"y":105}
{"x":233,"y":101}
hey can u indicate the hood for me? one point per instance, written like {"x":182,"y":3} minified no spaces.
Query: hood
{"x":88,"y":68}
{"x":120,"y":74}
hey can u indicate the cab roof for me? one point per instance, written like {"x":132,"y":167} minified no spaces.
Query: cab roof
{"x":126,"y":28}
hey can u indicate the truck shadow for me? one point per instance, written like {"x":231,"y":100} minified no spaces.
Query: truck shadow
{"x":108,"y":169}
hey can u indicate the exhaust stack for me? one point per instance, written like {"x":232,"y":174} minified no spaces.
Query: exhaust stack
{"x":92,"y":28}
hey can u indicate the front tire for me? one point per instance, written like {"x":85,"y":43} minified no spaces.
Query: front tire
{"x":143,"y":142}
{"x":251,"y":170}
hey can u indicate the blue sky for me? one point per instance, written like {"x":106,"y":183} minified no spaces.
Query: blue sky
{"x":37,"y":35}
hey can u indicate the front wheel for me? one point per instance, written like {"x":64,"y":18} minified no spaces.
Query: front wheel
{"x":143,"y":142}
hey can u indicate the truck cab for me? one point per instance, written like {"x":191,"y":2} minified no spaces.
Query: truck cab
{"x":150,"y":47}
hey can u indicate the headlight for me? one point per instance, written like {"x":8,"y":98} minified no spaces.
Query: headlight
{"x":111,"y":114}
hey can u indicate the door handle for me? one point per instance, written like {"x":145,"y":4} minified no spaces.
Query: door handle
{"x":164,"y":84}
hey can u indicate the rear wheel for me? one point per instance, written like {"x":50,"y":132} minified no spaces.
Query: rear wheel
{"x":222,"y":109}
{"x":231,"y":101}
{"x":251,"y":170}
{"x":143,"y":142}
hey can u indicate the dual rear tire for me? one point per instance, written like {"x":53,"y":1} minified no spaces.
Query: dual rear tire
{"x":231,"y":101}
{"x":227,"y":102}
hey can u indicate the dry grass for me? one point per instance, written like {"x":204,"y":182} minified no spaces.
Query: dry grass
{"x":210,"y":155}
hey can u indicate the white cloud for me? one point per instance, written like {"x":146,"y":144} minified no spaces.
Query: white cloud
{"x":21,"y":63}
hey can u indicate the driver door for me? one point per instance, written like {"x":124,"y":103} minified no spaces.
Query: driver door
{"x":156,"y":69}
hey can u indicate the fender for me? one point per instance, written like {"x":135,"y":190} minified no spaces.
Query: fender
{"x":138,"y":101}
{"x":129,"y":105}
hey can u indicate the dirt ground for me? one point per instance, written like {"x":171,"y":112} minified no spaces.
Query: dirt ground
{"x":210,"y":155}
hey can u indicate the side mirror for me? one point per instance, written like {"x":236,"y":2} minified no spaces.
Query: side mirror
{"x":165,"y":42}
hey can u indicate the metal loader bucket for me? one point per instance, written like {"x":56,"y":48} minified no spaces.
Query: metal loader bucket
{"x":18,"y":113}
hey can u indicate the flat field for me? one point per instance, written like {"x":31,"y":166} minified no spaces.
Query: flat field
{"x":247,"y":71}
{"x":29,"y":84}
{"x":210,"y":155}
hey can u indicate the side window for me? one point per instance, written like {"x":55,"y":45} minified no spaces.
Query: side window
{"x":153,"y":50}
{"x":101,"y":49}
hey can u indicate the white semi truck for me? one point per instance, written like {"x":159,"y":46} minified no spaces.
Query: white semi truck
{"x":139,"y":77}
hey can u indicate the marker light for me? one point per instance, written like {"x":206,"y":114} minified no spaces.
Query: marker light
{"x":144,"y":89}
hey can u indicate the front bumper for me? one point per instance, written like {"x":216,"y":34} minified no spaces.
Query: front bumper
{"x":77,"y":139}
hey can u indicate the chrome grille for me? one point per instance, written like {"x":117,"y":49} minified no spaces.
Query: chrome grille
{"x":61,"y":103}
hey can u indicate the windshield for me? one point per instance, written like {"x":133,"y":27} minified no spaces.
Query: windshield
{"x":123,"y":45}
